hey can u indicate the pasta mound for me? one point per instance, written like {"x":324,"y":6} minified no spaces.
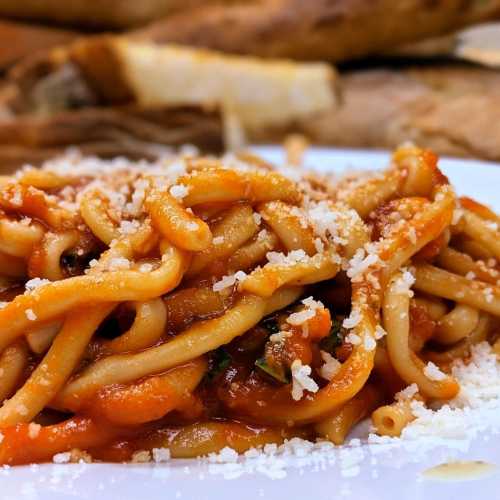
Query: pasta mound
{"x":180,"y":307}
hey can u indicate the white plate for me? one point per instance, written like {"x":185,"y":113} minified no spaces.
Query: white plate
{"x":396,"y":476}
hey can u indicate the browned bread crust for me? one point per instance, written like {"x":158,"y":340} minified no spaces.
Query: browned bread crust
{"x":129,"y":131}
{"x":18,"y":40}
{"x":318,"y":29}
{"x":452,"y":110}
{"x":93,"y":13}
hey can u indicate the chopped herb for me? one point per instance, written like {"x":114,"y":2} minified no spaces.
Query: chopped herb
{"x":278,"y":375}
{"x":334,"y":339}
{"x":271,"y":325}
{"x":219,"y":362}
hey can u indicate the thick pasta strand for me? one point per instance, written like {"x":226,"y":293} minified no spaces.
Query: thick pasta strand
{"x":148,"y":327}
{"x":199,"y":339}
{"x":407,"y":363}
{"x":435,"y":281}
{"x":457,"y":324}
{"x":55,"y":299}
{"x":236,"y":227}
{"x":336,"y":427}
{"x":148,"y":400}
{"x":13,"y":362}
{"x":57,"y":365}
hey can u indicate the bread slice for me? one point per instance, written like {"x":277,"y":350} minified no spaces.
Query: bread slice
{"x":114,"y":70}
{"x":454,"y":110}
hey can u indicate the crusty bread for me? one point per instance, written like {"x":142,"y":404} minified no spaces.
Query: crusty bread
{"x":93,"y":13}
{"x":453,"y":110}
{"x":113,"y":70}
{"x":131,"y":131}
{"x":18,"y":40}
{"x":317,"y":29}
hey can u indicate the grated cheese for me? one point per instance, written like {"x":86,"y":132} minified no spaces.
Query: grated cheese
{"x":412,"y":235}
{"x":330,"y":367}
{"x":35,"y":283}
{"x":379,"y":332}
{"x":407,"y":393}
{"x":145,"y":268}
{"x":432,"y":372}
{"x":403,"y":284}
{"x":301,"y":317}
{"x":292,"y":258}
{"x":353,"y":339}
{"x":62,"y":458}
{"x":301,"y":380}
{"x":160,"y":454}
{"x":179,"y":191}
{"x":369,"y":342}
{"x":228,"y":281}
{"x":280,"y":337}
{"x":118,"y":264}
{"x":33,"y":430}
{"x":30,"y":315}
{"x":360,"y":263}
{"x":470,"y":276}
{"x":352,"y":320}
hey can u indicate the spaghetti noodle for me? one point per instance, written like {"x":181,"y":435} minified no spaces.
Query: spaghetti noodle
{"x":198,"y":303}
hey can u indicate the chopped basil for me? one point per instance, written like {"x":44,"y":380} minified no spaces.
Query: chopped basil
{"x":219,"y":362}
{"x":334,"y":339}
{"x":271,"y":325}
{"x":272,"y":372}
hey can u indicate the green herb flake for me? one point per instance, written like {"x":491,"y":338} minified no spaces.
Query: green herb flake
{"x":221,"y":360}
{"x":334,"y":339}
{"x":271,"y":325}
{"x":262,"y":364}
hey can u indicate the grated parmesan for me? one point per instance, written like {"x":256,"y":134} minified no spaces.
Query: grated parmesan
{"x":403,"y":284}
{"x":353,"y":339}
{"x":301,"y":380}
{"x":379,"y":332}
{"x":352,"y":320}
{"x":30,"y":315}
{"x":228,"y":281}
{"x":62,"y":458}
{"x":432,"y":372}
{"x":330,"y":367}
{"x":179,"y":191}
{"x":160,"y":455}
{"x":406,"y":393}
{"x":33,"y":430}
{"x":35,"y":283}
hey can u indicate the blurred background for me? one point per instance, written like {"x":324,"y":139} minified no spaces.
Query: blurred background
{"x":116,"y":77}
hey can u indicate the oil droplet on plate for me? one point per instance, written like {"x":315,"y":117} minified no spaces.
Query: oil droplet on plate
{"x":460,"y":471}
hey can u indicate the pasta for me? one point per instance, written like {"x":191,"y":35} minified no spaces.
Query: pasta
{"x":198,"y":303}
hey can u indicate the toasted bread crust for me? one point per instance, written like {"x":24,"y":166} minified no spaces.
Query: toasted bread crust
{"x":103,"y":68}
{"x":453,"y":110}
{"x":317,"y":29}
{"x":130,"y":131}
{"x":93,"y":13}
